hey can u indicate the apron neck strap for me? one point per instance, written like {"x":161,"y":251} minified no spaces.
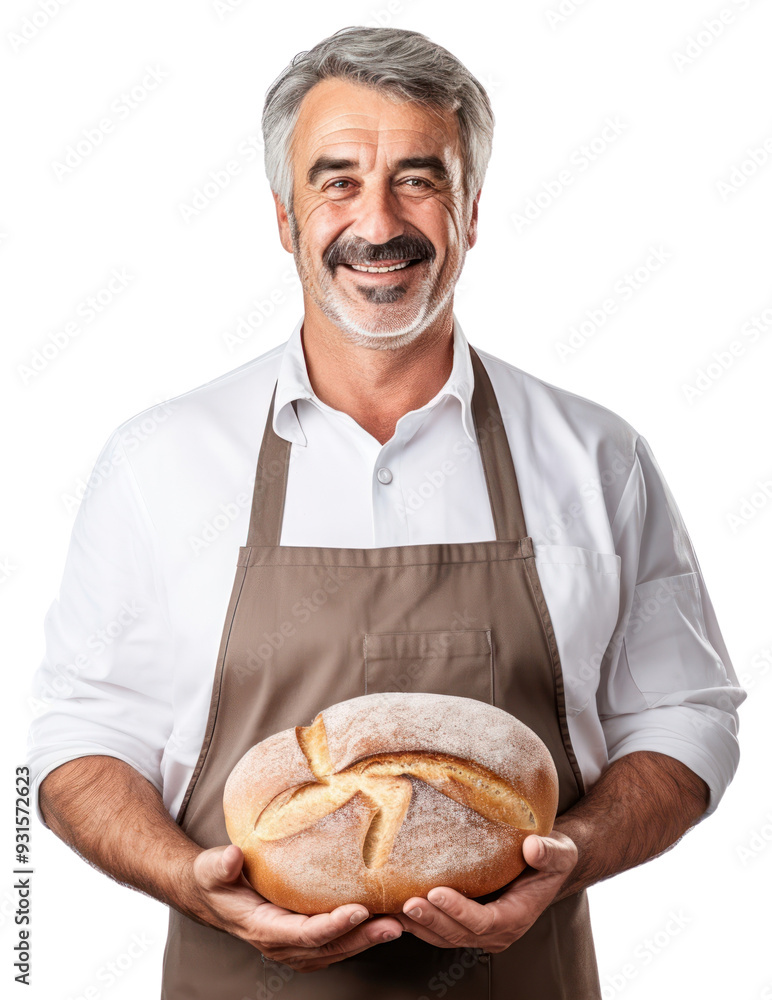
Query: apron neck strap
{"x":267,"y":513}
{"x":503,"y":491}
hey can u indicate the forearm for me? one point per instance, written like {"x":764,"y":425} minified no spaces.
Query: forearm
{"x":116,"y":820}
{"x":639,"y":807}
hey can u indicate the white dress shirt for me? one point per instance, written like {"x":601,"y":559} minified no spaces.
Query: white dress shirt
{"x":132,"y":640}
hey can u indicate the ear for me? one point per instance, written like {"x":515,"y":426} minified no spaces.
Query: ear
{"x":471,"y":233}
{"x":283,"y":222}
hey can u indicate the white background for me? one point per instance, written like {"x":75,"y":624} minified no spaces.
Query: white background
{"x":687,"y":122}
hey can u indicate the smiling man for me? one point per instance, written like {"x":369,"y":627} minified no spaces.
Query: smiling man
{"x":398,"y":480}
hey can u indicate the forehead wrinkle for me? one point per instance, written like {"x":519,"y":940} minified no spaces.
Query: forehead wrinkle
{"x":330,"y":115}
{"x":380,"y":131}
{"x":382,"y":138}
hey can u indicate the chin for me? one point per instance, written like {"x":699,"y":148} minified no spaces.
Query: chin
{"x":390,"y":343}
{"x":389,"y":334}
{"x":382,"y":340}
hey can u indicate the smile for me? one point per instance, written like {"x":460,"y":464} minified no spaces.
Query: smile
{"x":381,"y":268}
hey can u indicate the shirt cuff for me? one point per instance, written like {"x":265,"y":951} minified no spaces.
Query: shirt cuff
{"x":47,"y":763}
{"x":690,"y":735}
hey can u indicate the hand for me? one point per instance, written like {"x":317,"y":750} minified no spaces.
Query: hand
{"x":220,"y":895}
{"x":448,"y":919}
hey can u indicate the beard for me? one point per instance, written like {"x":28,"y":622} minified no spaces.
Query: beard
{"x":409,"y":308}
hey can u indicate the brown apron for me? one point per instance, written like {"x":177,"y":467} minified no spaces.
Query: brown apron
{"x":309,"y":626}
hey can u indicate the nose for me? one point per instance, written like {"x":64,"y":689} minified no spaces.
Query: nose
{"x":377,"y":215}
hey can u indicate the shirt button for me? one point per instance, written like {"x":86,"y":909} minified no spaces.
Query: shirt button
{"x":384,"y":476}
{"x":484,"y":957}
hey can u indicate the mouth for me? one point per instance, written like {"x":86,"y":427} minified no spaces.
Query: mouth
{"x":382,"y":267}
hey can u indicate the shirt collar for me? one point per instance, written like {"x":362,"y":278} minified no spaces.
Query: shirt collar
{"x":293,"y":384}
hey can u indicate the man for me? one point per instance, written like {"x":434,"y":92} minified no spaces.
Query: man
{"x":394,"y":481}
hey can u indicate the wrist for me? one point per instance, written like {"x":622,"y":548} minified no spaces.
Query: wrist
{"x":183,"y":890}
{"x":577,"y":830}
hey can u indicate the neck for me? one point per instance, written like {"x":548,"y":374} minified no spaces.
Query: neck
{"x":377,"y":387}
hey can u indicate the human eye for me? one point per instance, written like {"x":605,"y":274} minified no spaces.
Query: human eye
{"x":340,"y":180}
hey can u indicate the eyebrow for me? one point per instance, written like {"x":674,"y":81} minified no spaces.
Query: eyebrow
{"x":325,"y":164}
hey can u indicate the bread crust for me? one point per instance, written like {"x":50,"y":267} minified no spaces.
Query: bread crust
{"x":386,"y":796}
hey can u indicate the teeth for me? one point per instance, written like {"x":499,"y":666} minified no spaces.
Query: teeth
{"x":379,"y":270}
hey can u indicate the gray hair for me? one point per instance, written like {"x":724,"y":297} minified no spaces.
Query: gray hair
{"x":403,"y":64}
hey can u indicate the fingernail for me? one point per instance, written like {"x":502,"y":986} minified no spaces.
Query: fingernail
{"x":415,"y":913}
{"x":358,"y":917}
{"x":389,"y":936}
{"x":438,"y":900}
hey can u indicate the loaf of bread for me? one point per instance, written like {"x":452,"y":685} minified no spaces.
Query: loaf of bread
{"x":384,"y":797}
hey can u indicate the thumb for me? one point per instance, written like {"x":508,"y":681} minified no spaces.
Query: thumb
{"x":555,"y":854}
{"x":219,"y":866}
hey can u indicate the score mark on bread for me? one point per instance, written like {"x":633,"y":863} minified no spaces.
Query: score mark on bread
{"x":383,"y":780}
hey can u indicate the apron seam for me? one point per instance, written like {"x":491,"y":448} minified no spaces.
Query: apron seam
{"x":397,"y":565}
{"x":534,"y":583}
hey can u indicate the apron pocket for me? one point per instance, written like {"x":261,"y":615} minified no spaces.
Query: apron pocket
{"x":458,"y":662}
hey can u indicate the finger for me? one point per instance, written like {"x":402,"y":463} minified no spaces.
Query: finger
{"x":555,"y":854}
{"x":346,"y":949}
{"x":450,"y":915}
{"x":218,"y":866}
{"x":424,"y":933}
{"x":377,"y":931}
{"x":295,"y":930}
{"x":479,"y":918}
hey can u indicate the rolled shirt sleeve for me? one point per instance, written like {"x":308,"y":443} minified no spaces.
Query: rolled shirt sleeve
{"x":104,"y":686}
{"x":668,"y":684}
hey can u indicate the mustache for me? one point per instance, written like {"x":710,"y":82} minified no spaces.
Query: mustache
{"x":356,"y":252}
